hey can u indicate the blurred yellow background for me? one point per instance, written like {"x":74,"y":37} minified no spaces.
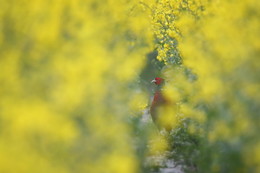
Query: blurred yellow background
{"x":70,"y":75}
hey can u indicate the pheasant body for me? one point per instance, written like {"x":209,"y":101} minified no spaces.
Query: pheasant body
{"x":158,"y":100}
{"x":158,"y":103}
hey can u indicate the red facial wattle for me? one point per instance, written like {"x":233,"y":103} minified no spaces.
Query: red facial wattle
{"x":157,"y":80}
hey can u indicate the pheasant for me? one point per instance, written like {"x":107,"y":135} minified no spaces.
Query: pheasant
{"x":158,"y":101}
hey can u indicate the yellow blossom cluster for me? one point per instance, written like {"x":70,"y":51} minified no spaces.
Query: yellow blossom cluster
{"x":218,"y":42}
{"x":65,"y":67}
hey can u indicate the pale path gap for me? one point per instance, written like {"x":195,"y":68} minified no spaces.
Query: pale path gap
{"x":166,"y":165}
